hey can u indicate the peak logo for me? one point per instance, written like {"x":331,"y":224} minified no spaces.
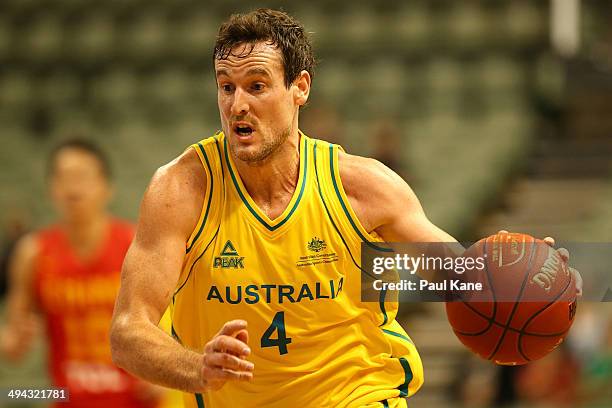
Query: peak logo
{"x":229,"y":258}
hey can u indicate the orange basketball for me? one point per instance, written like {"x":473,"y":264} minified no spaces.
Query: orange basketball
{"x":528,"y":303}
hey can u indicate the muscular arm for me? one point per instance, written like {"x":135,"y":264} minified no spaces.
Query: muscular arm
{"x":384,"y":203}
{"x":21,"y":320}
{"x":168,"y":214}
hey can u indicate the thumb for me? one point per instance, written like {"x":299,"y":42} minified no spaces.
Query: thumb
{"x":243,"y":336}
{"x":232,"y":327}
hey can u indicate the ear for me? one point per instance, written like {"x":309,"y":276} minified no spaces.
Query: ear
{"x":301,"y":88}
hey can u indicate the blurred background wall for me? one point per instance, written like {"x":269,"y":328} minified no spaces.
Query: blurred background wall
{"x":497,"y":112}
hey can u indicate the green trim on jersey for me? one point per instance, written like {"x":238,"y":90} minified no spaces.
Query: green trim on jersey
{"x":194,"y":262}
{"x":408,"y":375}
{"x":401,"y":336}
{"x":381,"y":302}
{"x":195,"y":239}
{"x":220,"y":158}
{"x":248,"y":205}
{"x":345,"y":208}
{"x":382,"y":305}
{"x":199,"y":400}
{"x":403,"y":388}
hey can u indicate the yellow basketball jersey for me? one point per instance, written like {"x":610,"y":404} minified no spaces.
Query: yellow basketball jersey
{"x":296,"y":281}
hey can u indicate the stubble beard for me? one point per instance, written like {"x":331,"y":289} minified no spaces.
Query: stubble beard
{"x":268,"y":147}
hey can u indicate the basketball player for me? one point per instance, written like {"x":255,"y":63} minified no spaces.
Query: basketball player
{"x":69,"y":274}
{"x":254,"y":235}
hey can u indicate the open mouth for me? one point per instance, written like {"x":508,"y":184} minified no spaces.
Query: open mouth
{"x":243,"y":130}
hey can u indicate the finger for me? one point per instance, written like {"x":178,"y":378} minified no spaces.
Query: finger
{"x":230,"y":345}
{"x":218,"y":374}
{"x":564,"y":253}
{"x":228,"y":362}
{"x":578,"y":279}
{"x":550,"y":241}
{"x":230,"y":328}
{"x":243,"y":336}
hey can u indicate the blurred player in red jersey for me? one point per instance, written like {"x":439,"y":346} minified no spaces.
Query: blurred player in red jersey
{"x":69,"y":273}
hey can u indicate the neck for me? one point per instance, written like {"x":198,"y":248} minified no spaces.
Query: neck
{"x":271,"y":183}
{"x":86,"y":233}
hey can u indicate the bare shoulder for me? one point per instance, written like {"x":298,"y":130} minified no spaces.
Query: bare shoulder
{"x":183,"y":175}
{"x":175,"y":194}
{"x":26,"y":250}
{"x":374,"y":191}
{"x":358,"y":173}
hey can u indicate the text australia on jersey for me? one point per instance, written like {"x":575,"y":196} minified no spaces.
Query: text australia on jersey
{"x":230,"y":259}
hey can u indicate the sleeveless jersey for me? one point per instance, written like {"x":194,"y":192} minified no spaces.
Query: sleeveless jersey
{"x":77,"y":298}
{"x":296,"y":280}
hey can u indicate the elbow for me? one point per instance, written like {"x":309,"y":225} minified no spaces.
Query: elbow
{"x":119,"y":341}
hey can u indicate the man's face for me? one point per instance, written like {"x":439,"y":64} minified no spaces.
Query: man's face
{"x":79,"y":188}
{"x":257,"y":110}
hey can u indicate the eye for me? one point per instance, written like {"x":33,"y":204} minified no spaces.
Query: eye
{"x":227,"y":88}
{"x":258,"y":86}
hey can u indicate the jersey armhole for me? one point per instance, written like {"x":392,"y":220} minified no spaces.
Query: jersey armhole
{"x":350,"y":214}
{"x":204,"y":212}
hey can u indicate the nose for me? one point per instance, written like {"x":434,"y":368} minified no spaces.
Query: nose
{"x":240,"y":105}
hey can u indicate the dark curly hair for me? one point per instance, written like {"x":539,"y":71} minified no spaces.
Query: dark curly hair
{"x":277,"y":28}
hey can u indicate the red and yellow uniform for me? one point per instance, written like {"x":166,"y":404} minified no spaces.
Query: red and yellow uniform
{"x":77,"y":298}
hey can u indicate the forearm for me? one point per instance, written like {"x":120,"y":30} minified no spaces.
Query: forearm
{"x":428,"y":256}
{"x":22,"y":323}
{"x":440,"y":251}
{"x":146,"y":351}
{"x":19,"y":331}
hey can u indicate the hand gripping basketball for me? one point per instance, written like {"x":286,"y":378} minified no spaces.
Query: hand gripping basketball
{"x":530,"y":300}
{"x":565,"y":256}
{"x":225,"y":356}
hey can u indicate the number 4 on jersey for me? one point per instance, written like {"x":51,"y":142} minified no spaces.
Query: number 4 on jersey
{"x":281,"y":341}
